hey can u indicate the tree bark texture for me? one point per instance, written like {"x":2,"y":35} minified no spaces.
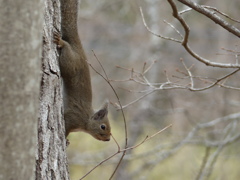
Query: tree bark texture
{"x":21,"y":26}
{"x":51,"y":160}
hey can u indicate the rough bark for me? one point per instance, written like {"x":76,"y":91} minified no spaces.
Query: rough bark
{"x":20,"y":51}
{"x":51,"y":160}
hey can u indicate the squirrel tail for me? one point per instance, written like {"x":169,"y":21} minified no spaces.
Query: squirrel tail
{"x":69,"y":14}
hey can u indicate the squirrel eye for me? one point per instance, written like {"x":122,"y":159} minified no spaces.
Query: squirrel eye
{"x":103,"y":127}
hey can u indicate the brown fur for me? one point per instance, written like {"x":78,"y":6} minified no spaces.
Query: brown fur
{"x":78,"y":112}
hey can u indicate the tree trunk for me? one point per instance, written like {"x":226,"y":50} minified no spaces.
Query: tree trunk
{"x":51,"y":160}
{"x":20,"y":41}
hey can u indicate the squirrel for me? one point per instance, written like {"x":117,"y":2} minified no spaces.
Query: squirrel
{"x":78,"y":112}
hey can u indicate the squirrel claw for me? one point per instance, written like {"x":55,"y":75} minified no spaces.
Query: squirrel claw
{"x":57,"y":39}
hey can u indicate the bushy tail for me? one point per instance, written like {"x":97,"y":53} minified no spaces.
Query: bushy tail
{"x":69,"y":14}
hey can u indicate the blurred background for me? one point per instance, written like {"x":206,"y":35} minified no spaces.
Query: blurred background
{"x":192,"y":148}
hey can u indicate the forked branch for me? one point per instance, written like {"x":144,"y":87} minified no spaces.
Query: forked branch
{"x":126,"y":148}
{"x":187,"y":32}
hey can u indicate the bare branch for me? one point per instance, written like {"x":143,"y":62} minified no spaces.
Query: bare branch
{"x":204,"y":161}
{"x":148,"y":138}
{"x":185,"y":10}
{"x":211,"y":15}
{"x":124,"y":152}
{"x":119,"y":102}
{"x":142,"y":79}
{"x":225,"y":15}
{"x":149,"y":67}
{"x":178,"y":32}
{"x":189,"y":73}
{"x":116,"y":143}
{"x":158,"y":35}
{"x":99,"y":165}
{"x":216,"y":82}
{"x":209,"y":164}
{"x":138,"y":99}
{"x":186,"y":37}
{"x":212,"y":8}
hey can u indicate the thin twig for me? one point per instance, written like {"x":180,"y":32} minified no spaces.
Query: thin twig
{"x":132,"y":70}
{"x":189,"y":73}
{"x":216,"y":82}
{"x":144,"y":67}
{"x":173,"y":27}
{"x":149,"y":67}
{"x":186,"y":38}
{"x":204,"y":161}
{"x":150,"y":92}
{"x":99,"y":165}
{"x":147,"y":138}
{"x":211,"y":15}
{"x":119,"y":102}
{"x":106,"y":76}
{"x":124,"y":150}
{"x":158,"y":35}
{"x":185,"y":10}
{"x":224,"y":14}
{"x":214,"y":9}
{"x":116,"y":143}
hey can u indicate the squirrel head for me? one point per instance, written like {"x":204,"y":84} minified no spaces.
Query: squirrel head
{"x":99,"y":126}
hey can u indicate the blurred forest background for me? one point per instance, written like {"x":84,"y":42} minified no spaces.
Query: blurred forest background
{"x":203,"y":142}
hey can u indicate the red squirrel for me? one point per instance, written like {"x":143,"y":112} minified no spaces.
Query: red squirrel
{"x":78,"y":112}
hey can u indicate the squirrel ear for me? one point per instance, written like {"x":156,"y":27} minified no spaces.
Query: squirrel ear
{"x":102,"y":112}
{"x":105,"y":105}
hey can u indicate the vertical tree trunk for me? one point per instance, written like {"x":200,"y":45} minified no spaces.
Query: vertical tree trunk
{"x":21,"y":25}
{"x":51,"y":160}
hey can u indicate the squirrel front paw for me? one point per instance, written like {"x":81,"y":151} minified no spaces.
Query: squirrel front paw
{"x":57,"y":39}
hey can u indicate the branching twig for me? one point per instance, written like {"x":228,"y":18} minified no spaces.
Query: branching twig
{"x":105,"y":77}
{"x":140,"y":78}
{"x":115,"y":93}
{"x":99,"y":165}
{"x":189,"y":73}
{"x":204,"y":161}
{"x":119,"y":102}
{"x":209,"y":160}
{"x":124,"y":150}
{"x":224,"y":14}
{"x":147,"y":138}
{"x":211,"y":15}
{"x":215,"y":83}
{"x":186,"y":37}
{"x":214,"y":9}
{"x":136,"y":100}
{"x":158,"y":35}
{"x":173,"y":27}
